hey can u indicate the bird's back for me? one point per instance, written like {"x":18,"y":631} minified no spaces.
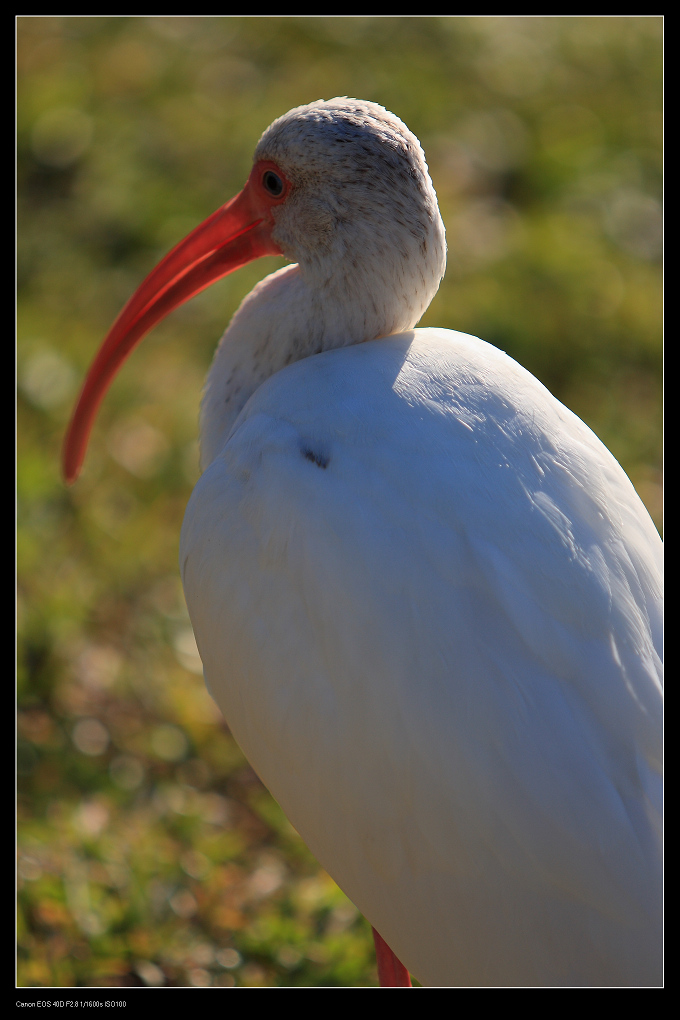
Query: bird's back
{"x":427,"y":600}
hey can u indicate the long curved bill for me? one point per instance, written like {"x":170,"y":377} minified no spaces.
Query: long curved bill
{"x":234,"y":235}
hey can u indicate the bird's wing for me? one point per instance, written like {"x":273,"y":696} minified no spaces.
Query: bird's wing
{"x":427,"y":601}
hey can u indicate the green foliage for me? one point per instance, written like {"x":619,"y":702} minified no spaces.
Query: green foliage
{"x":148,"y":851}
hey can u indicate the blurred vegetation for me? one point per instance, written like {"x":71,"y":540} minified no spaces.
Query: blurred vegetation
{"x":149,"y":853}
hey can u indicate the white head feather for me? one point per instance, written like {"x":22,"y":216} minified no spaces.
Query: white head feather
{"x":363,"y":225}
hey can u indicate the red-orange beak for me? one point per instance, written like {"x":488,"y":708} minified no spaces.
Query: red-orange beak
{"x":234,"y":235}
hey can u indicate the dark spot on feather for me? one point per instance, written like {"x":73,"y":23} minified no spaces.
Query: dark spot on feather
{"x":320,"y":459}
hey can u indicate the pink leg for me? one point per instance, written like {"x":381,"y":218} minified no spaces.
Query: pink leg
{"x":391,"y":972}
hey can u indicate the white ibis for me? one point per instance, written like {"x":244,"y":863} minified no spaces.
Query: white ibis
{"x":426,"y":597}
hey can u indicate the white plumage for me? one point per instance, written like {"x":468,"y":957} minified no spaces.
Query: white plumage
{"x":426,"y":597}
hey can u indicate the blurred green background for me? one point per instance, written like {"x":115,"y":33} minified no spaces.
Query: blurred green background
{"x":149,"y":853}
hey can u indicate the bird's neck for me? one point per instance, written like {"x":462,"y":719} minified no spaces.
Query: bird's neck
{"x":286,"y":318}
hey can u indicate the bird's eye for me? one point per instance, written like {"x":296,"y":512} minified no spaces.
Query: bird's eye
{"x":272,"y":183}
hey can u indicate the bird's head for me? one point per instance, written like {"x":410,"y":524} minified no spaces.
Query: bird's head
{"x":342,"y":187}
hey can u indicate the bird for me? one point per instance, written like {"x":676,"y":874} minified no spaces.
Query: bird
{"x":427,"y":598}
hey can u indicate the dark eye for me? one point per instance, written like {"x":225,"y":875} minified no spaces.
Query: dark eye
{"x":272,"y":183}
